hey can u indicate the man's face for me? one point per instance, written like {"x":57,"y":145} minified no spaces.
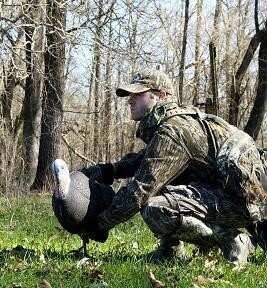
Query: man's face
{"x":141,"y":103}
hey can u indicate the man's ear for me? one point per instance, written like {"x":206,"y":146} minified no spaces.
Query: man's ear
{"x":162,"y":95}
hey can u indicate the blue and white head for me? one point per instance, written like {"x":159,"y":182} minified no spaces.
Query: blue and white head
{"x":61,"y":173}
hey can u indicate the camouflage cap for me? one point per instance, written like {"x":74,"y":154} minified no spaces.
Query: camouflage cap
{"x":145,"y":80}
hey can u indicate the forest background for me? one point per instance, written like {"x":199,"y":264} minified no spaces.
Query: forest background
{"x":62,"y":60}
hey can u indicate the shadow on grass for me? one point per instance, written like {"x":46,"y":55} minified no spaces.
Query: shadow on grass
{"x":145,"y":258}
{"x":23,"y":253}
{"x":113,"y":256}
{"x":17,"y":252}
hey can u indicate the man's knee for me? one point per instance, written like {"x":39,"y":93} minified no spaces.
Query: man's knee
{"x":160,"y":219}
{"x":149,"y":210}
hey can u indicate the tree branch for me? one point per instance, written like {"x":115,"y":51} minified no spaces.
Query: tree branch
{"x":76,"y":152}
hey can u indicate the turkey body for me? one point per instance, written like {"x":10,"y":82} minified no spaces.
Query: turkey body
{"x":77,"y":200}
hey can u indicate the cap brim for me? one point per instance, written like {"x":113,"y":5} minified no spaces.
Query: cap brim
{"x":126,"y":90}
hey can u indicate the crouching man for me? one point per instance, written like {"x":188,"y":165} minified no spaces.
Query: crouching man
{"x":198,"y":180}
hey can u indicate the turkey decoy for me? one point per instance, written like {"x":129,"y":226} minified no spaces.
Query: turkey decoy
{"x":77,"y":201}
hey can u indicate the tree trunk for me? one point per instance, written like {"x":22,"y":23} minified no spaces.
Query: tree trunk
{"x":7,"y":96}
{"x":118,"y":120}
{"x":52,"y":104}
{"x":33,"y":91}
{"x":182,"y":63}
{"x":237,"y":79}
{"x":87,"y":149}
{"x":213,"y":89}
{"x":108,"y":98}
{"x":213,"y":79}
{"x":196,"y":90}
{"x":97,"y":58}
{"x":228,"y":67}
{"x":9,"y":82}
{"x":10,"y":125}
{"x":259,"y":109}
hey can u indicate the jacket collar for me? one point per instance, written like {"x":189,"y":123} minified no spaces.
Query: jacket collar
{"x":153,"y":118}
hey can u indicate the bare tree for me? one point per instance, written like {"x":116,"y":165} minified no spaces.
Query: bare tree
{"x":106,"y":42}
{"x":52,"y":104}
{"x":196,"y":89}
{"x":213,"y":79}
{"x":182,"y":63}
{"x":35,"y":36}
{"x":10,"y":122}
{"x":97,"y":91}
{"x":108,"y":97}
{"x":213,"y":64}
{"x":259,"y":109}
{"x":238,"y":77}
{"x":10,"y":81}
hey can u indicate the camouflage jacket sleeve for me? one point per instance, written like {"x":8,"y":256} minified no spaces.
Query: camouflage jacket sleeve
{"x":128,"y":165}
{"x":165,"y":157}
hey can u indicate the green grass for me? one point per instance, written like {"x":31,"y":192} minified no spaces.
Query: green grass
{"x":33,"y":247}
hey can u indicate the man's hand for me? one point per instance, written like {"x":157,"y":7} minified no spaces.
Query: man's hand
{"x":94,"y":173}
{"x":102,"y":173}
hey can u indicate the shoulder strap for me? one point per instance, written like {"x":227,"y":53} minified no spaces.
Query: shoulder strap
{"x":179,"y":111}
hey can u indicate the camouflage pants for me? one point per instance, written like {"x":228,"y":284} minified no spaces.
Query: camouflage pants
{"x":196,"y":213}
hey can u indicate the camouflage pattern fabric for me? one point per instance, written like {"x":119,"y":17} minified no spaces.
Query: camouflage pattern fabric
{"x":241,"y":169}
{"x":145,"y":80}
{"x":263,"y":155}
{"x":205,"y":220}
{"x":196,"y":213}
{"x":128,"y":165}
{"x":185,"y":151}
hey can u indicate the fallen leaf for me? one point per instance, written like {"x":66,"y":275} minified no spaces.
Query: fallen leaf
{"x":204,"y":281}
{"x":135,"y":245}
{"x":15,"y":285}
{"x":42,"y":258}
{"x":45,"y":284}
{"x":93,"y":275}
{"x":201,"y":280}
{"x":96,"y":274}
{"x":154,"y":282}
{"x":82,"y":262}
{"x":210,"y":264}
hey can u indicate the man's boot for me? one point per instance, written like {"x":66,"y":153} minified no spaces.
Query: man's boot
{"x":238,"y":249}
{"x":168,"y":249}
{"x":236,"y":246}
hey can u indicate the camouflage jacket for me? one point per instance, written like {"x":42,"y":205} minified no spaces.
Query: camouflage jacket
{"x":182,"y":146}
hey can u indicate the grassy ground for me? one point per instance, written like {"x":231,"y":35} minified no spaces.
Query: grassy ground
{"x":33,"y":247}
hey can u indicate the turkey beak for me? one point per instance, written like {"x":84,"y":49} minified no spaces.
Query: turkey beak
{"x":57,"y":179}
{"x":55,"y":173}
